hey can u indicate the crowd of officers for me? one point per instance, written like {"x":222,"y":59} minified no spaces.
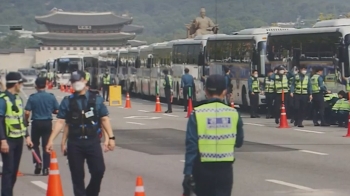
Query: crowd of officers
{"x":300,"y":93}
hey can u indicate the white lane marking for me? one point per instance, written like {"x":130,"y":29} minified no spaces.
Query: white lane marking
{"x":304,"y":188}
{"x":313,"y":152}
{"x":40,"y":184}
{"x":135,"y":123}
{"x":142,"y":110}
{"x":260,"y":125}
{"x":308,"y":131}
{"x":121,"y":107}
{"x":182,"y":161}
{"x":143,"y":117}
{"x":170,"y":115}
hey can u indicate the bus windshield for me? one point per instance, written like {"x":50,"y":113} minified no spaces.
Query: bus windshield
{"x":186,"y":54}
{"x":68,"y":65}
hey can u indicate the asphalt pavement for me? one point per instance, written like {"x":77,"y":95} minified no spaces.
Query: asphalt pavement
{"x":309,"y":161}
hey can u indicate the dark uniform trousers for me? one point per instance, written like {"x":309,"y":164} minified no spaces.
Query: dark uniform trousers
{"x":79,"y":150}
{"x":186,"y":94}
{"x":278,"y":104}
{"x":254,"y":103}
{"x":290,"y":107}
{"x":167,"y":92}
{"x":213,"y":179}
{"x":318,"y":107}
{"x":11,"y":161}
{"x":300,"y":107}
{"x":41,"y":129}
{"x":105,"y":92}
{"x":269,"y":102}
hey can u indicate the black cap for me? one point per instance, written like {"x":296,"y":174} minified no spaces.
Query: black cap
{"x":40,"y":82}
{"x":215,"y":83}
{"x":13,"y":77}
{"x":77,"y":76}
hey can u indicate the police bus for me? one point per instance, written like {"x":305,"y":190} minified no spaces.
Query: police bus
{"x":326,"y":44}
{"x":143,"y":84}
{"x":65,"y":65}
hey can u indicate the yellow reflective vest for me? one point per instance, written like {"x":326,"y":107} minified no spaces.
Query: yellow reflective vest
{"x":170,"y":81}
{"x":87,"y":76}
{"x":217,"y":129}
{"x":107,"y":80}
{"x":301,"y":85}
{"x":269,"y":88}
{"x":281,"y":83}
{"x":14,"y":124}
{"x":314,"y":83}
{"x":255,"y":85}
{"x":341,"y":105}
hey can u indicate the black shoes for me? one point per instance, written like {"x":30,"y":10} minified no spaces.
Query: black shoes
{"x":37,"y":169}
{"x":45,"y":172}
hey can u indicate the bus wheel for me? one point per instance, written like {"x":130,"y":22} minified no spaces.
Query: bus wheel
{"x":244,"y":98}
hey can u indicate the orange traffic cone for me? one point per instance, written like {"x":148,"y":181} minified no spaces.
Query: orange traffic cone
{"x":66,"y":89}
{"x":232,"y":104}
{"x":139,"y":189}
{"x":54,"y":185}
{"x":283,"y":118}
{"x":20,"y":174}
{"x":189,"y":108}
{"x":127,"y":101}
{"x":61,"y":88}
{"x":348,"y":134}
{"x":71,"y":90}
{"x":158,"y":106}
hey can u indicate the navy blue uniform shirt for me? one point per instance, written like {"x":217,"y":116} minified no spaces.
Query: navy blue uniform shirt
{"x":100,"y":106}
{"x":320,"y":81}
{"x":41,"y":104}
{"x":187,"y":80}
{"x":192,"y":140}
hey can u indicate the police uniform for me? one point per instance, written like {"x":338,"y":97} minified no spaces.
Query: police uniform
{"x":341,"y":109}
{"x":212,"y":122}
{"x":318,"y":89}
{"x":301,"y":89}
{"x":88,"y":78}
{"x":42,"y":105}
{"x":187,"y":84}
{"x":168,"y":85}
{"x":12,"y":130}
{"x":269,"y":94}
{"x":106,"y":81}
{"x":254,"y":91}
{"x":82,"y":114}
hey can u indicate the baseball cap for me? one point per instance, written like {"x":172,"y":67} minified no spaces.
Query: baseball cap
{"x":14,"y":77}
{"x":40,"y":82}
{"x":77,"y":76}
{"x":215,"y":83}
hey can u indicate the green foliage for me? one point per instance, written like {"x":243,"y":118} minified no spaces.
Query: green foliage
{"x":12,"y":41}
{"x":165,"y":19}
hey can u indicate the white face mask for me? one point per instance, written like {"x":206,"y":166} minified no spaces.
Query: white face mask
{"x":303,"y":72}
{"x":78,"y":86}
{"x":255,"y":75}
{"x":281,"y":71}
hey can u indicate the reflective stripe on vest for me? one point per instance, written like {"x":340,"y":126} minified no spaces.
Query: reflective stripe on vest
{"x":217,"y":129}
{"x":314,"y":83}
{"x":281,"y":84}
{"x":255,"y":85}
{"x":15,"y":127}
{"x":269,"y":85}
{"x":341,"y":104}
{"x":107,"y":80}
{"x":170,"y":81}
{"x":301,"y":85}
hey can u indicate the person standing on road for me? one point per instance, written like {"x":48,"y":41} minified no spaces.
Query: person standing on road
{"x":106,"y":81}
{"x":84,"y":113}
{"x":228,"y":85}
{"x":42,"y":105}
{"x":187,"y":84}
{"x":269,"y":93}
{"x":300,"y":92}
{"x":88,"y":77}
{"x":254,"y":92}
{"x":12,"y":131}
{"x":168,"y":85}
{"x":212,"y":122}
{"x":318,"y":89}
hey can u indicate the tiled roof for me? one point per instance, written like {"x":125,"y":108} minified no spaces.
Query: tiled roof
{"x":135,"y":43}
{"x":83,"y":19}
{"x":132,"y":29}
{"x":87,"y":36}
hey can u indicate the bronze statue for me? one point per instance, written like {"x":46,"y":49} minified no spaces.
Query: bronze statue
{"x":202,"y":25}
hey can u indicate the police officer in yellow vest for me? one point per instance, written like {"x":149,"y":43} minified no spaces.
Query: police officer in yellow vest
{"x":318,"y":88}
{"x":168,"y":86}
{"x":12,"y":131}
{"x":213,"y":131}
{"x":341,"y":109}
{"x":269,"y":90}
{"x":254,"y":92}
{"x":346,"y":81}
{"x":106,"y":81}
{"x":87,"y":76}
{"x":300,"y":91}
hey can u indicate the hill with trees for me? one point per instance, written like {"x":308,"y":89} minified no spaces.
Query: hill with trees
{"x":165,"y":19}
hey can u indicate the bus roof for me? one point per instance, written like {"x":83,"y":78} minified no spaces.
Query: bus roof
{"x":163,"y":45}
{"x":232,"y":37}
{"x":187,"y":42}
{"x":133,"y":49}
{"x":343,"y":30}
{"x":333,"y":23}
{"x":262,"y":30}
{"x":123,"y":50}
{"x":146,"y":48}
{"x":205,"y":37}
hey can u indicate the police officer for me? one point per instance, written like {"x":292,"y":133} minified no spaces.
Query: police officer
{"x":228,"y":85}
{"x":269,"y":94}
{"x":12,"y":131}
{"x":254,"y":92}
{"x":300,"y":91}
{"x":168,"y":85}
{"x":212,"y":122}
{"x":318,"y":88}
{"x":106,"y":81}
{"x":42,"y":105}
{"x":88,"y":77}
{"x":84,"y":112}
{"x":187,"y":84}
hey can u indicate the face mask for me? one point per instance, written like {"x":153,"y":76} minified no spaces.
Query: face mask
{"x":281,"y":72}
{"x":303,"y":72}
{"x":78,"y":86}
{"x":255,"y":75}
